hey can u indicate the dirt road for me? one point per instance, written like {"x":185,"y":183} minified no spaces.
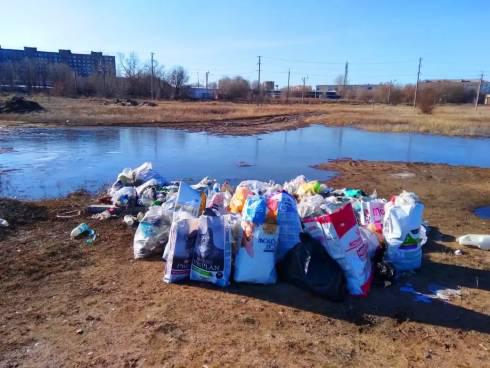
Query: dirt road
{"x":64,"y":304}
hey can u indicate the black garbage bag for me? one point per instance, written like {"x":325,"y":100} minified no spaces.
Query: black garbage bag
{"x":309,"y":267}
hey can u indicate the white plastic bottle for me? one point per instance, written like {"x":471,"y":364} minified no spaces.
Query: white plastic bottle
{"x":478,"y":240}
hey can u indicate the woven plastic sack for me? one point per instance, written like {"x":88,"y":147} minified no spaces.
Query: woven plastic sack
{"x":255,"y":261}
{"x":211,"y":261}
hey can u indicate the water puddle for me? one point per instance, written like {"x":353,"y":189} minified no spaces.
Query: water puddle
{"x":483,"y":212}
{"x":51,"y":162}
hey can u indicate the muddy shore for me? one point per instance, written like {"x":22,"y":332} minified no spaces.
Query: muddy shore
{"x":230,"y":118}
{"x":67,"y":304}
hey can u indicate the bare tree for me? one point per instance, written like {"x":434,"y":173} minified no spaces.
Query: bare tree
{"x":234,"y":88}
{"x":177,"y":78}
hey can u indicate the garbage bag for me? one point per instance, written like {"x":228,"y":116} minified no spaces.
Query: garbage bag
{"x":372,"y":212}
{"x":372,"y":241}
{"x":188,"y":200}
{"x":233,"y":224}
{"x":255,"y":186}
{"x":255,"y":209}
{"x":283,"y":207}
{"x":339,"y":234}
{"x":152,"y":232}
{"x":255,"y":261}
{"x":125,"y":177}
{"x":312,"y":206}
{"x":309,"y":267}
{"x":402,"y":231}
{"x":292,"y":186}
{"x":211,"y":261}
{"x":179,"y":250}
{"x":310,"y":188}
{"x":353,"y":193}
{"x":126,"y":196}
{"x":219,"y":201}
{"x":238,"y":199}
{"x":145,"y":172}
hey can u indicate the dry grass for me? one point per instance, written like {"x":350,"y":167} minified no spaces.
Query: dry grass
{"x":449,"y":120}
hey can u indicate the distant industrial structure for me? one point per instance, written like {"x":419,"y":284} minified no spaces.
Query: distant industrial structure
{"x":467,"y":84}
{"x":82,"y":64}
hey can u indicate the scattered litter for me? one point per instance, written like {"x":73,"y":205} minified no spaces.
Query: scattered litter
{"x":458,"y":252}
{"x":435,"y":292}
{"x":244,"y":164}
{"x":477,"y":240}
{"x":403,"y":175}
{"x":69,"y":214}
{"x":84,"y":229}
{"x":3,"y":222}
{"x":443,"y":293}
{"x":129,"y":220}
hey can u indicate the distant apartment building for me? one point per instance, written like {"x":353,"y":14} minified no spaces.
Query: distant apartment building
{"x":83,"y":64}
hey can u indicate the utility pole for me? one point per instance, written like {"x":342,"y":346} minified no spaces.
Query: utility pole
{"x":417,"y":85}
{"x":152,"y":76}
{"x":207,"y":92}
{"x":478,"y":92}
{"x":258,"y":86}
{"x":287,"y":94}
{"x":303,"y":91}
{"x":346,"y":73}
{"x":389,"y":91}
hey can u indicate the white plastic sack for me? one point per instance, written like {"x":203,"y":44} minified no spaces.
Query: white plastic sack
{"x":402,"y":231}
{"x":256,"y":186}
{"x":292,"y":186}
{"x":310,"y":206}
{"x":124,"y":196}
{"x":152,"y":232}
{"x":179,"y":250}
{"x":255,"y":261}
{"x":211,"y":261}
{"x":340,"y":235}
{"x":145,"y":172}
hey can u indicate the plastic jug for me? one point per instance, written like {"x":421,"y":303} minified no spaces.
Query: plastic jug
{"x":478,"y":240}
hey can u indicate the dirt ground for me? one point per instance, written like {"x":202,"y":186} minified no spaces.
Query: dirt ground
{"x":65,"y":304}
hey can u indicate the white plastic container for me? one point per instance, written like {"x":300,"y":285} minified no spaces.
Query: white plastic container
{"x":477,"y":240}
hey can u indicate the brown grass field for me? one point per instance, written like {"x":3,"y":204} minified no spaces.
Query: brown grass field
{"x":243,"y":118}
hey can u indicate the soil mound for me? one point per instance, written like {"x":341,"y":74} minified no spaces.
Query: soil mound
{"x":19,"y":105}
{"x":21,"y":213}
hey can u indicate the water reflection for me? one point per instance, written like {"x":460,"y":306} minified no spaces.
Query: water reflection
{"x":53,"y":162}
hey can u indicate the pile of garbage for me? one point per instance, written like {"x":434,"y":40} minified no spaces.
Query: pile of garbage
{"x":130,"y":102}
{"x":322,"y":239}
{"x":19,"y":105}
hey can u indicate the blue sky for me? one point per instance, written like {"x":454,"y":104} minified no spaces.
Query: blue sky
{"x":382,"y":40}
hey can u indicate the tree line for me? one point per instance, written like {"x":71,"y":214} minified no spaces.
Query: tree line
{"x":136,"y":79}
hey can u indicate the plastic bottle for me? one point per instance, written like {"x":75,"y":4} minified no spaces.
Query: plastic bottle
{"x":481,"y":241}
{"x":80,"y":229}
{"x":129,"y":220}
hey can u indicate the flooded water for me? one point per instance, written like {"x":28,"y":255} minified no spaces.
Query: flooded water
{"x":49,"y":162}
{"x":483,"y":212}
